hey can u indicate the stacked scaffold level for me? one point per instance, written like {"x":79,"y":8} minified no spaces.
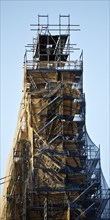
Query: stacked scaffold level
{"x":54,"y":168}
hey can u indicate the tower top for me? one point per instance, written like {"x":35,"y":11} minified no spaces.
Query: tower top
{"x":51,"y":48}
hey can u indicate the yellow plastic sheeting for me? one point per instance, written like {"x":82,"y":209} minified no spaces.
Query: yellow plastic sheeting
{"x":40,"y":77}
{"x":70,"y":107}
{"x":69,"y":128}
{"x":68,"y":76}
{"x":73,"y":162}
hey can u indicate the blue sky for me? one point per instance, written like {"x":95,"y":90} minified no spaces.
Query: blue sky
{"x":93,"y":17}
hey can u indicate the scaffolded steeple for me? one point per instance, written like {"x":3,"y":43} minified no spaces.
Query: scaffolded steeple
{"x":54,"y":170}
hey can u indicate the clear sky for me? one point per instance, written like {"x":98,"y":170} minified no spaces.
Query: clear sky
{"x":93,"y":17}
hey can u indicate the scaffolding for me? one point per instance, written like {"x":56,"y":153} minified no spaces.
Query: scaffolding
{"x":54,"y":168}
